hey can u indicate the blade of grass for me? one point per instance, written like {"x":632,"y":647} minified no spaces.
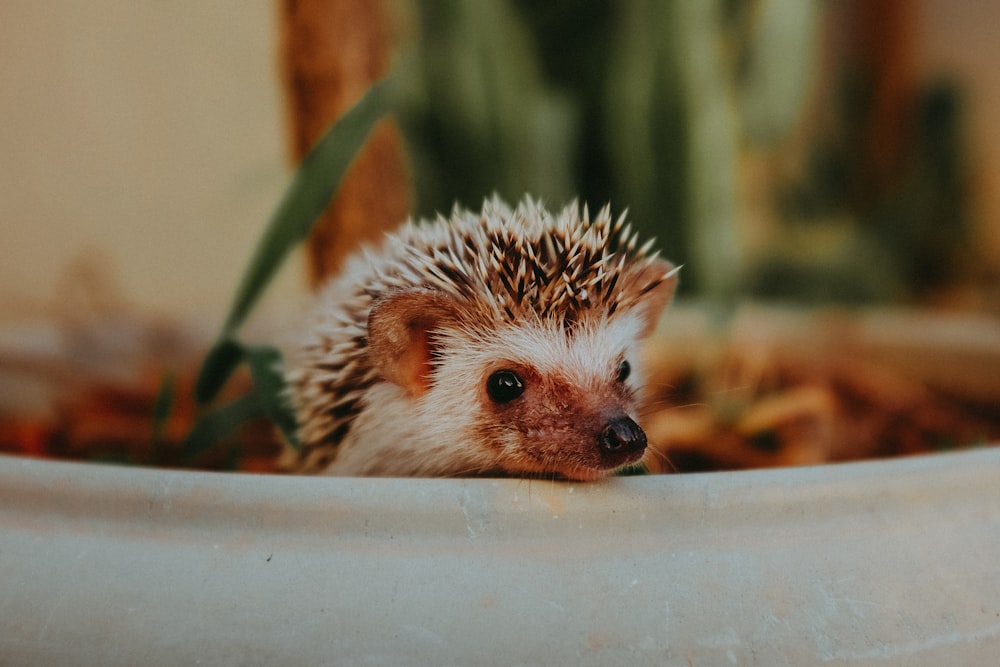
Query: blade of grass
{"x":267,"y":372}
{"x":166,"y":397}
{"x":220,"y":423}
{"x":219,"y":364}
{"x":314,"y":184}
{"x":316,"y":180}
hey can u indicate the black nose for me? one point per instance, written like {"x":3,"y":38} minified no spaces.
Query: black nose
{"x":622,"y":436}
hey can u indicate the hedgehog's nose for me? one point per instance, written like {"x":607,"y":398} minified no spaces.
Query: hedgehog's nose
{"x":622,"y":436}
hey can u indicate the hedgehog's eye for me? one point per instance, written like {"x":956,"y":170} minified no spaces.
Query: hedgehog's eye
{"x":624,"y":370}
{"x":504,"y":386}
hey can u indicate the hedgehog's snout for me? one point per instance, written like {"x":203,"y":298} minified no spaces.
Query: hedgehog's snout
{"x":621,"y":440}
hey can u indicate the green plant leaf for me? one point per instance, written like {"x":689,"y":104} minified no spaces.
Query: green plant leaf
{"x":166,"y":397}
{"x":218,"y":366}
{"x":314,"y":184}
{"x":267,"y":371}
{"x":316,"y":180}
{"x":216,"y":425}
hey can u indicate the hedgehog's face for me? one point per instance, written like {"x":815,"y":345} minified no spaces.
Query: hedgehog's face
{"x":554,"y":396}
{"x":548,"y":401}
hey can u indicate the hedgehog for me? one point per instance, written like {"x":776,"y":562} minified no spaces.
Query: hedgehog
{"x":498,"y":343}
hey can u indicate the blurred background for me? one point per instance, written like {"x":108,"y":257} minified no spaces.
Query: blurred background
{"x":842,"y":151}
{"x":792,"y":152}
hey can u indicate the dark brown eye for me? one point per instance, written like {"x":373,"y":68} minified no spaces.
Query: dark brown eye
{"x":504,"y":386}
{"x":624,"y":370}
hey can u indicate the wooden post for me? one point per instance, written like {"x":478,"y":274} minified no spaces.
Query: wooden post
{"x":332,"y":50}
{"x":884,"y":47}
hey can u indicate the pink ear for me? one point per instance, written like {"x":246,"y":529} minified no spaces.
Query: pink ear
{"x":399,"y":329}
{"x":657,"y":281}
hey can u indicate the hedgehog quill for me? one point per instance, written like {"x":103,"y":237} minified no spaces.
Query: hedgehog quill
{"x":503,"y":342}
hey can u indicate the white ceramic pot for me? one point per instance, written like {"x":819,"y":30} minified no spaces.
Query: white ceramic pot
{"x":888,"y":562}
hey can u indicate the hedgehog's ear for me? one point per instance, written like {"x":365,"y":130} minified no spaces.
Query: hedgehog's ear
{"x":399,"y":328}
{"x":663,"y":275}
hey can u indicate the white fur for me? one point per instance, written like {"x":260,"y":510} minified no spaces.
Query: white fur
{"x":402,"y":435}
{"x":354,"y":422}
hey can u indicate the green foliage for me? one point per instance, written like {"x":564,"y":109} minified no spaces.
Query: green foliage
{"x":267,"y":372}
{"x":218,"y":424}
{"x":166,"y":397}
{"x":222,"y":360}
{"x":478,"y":115}
{"x":643,"y":103}
{"x":312,"y":187}
{"x":654,"y":104}
{"x":855,"y":236}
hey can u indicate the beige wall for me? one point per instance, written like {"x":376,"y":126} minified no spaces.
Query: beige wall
{"x":146,"y":136}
